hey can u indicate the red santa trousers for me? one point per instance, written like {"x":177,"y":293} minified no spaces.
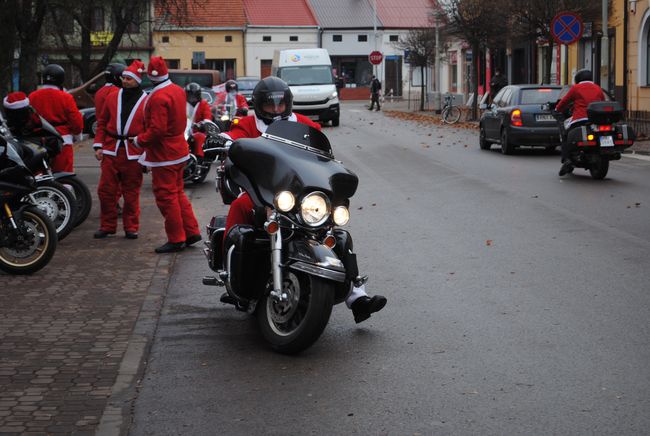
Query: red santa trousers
{"x":120,"y":176}
{"x":197,"y":143}
{"x":180,"y":222}
{"x":241,"y":212}
{"x":64,"y":161}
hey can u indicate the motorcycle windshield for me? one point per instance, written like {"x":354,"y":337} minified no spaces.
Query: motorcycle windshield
{"x":290,"y":157}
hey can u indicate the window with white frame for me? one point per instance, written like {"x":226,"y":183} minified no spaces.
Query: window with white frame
{"x":644,"y":51}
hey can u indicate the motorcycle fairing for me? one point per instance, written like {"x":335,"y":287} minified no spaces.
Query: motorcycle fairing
{"x":315,"y":259}
{"x":267,"y":165}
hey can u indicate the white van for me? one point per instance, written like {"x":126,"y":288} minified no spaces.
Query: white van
{"x":308,"y":72}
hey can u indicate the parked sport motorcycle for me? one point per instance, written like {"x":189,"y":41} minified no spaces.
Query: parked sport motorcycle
{"x":197,"y":168}
{"x":294,"y":263}
{"x":27,"y":237}
{"x":601,"y":140}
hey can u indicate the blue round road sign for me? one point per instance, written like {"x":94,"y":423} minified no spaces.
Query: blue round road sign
{"x":566,"y":28}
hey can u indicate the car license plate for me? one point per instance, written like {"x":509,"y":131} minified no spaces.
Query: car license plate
{"x":606,"y":141}
{"x":544,"y":118}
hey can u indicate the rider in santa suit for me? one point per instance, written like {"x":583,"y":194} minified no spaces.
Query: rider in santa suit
{"x":165,"y":152}
{"x":197,"y":110}
{"x":120,"y":120}
{"x":113,"y":77}
{"x":273,"y":100}
{"x":59,"y":109}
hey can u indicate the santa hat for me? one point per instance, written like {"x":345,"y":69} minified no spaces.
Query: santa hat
{"x":16,"y":100}
{"x":135,"y":70}
{"x":157,"y":70}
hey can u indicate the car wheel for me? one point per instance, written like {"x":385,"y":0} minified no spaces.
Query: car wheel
{"x":506,"y":145}
{"x":482,"y":142}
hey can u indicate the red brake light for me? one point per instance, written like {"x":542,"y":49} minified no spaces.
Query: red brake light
{"x":606,"y":128}
{"x":515,"y":118}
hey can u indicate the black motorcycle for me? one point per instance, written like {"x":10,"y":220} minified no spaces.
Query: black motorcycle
{"x":599,"y":140}
{"x":294,"y":263}
{"x":197,"y":168}
{"x":27,"y":237}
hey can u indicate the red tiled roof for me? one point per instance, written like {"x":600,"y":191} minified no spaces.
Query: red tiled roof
{"x":207,"y":13}
{"x":404,"y":14}
{"x":279,"y":13}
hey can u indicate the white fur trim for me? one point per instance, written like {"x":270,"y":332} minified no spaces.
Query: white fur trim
{"x":143,"y":161}
{"x":133,"y":76}
{"x":158,"y":79}
{"x":97,"y":145}
{"x":16,"y":104}
{"x":154,"y":73}
{"x":67,"y":139}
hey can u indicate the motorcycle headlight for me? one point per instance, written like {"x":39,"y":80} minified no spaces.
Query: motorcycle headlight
{"x":225,"y":117}
{"x":341,"y":215}
{"x":284,"y":201}
{"x":315,"y":209}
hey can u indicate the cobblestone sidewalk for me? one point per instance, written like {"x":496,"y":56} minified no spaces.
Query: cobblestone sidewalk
{"x":64,"y":330}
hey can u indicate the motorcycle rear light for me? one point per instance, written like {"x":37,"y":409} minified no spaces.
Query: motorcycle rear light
{"x":329,"y":241}
{"x":606,"y":128}
{"x":271,"y":227}
{"x":515,"y":118}
{"x":586,"y":143}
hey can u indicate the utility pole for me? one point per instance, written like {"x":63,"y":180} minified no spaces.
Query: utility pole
{"x":604,"y":55}
{"x":374,"y":29}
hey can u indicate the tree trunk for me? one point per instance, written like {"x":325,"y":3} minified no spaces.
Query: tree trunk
{"x":475,"y":49}
{"x":28,"y":65}
{"x":549,"y":59}
{"x":86,"y":46}
{"x":29,"y":31}
{"x":422,"y":88}
{"x":7,"y":44}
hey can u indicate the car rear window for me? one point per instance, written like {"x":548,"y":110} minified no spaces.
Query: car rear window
{"x":246,"y":85}
{"x":539,"y":95}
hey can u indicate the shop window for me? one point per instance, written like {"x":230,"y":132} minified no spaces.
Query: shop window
{"x":266,"y":38}
{"x":337,"y":38}
{"x":228,"y":38}
{"x":362,"y":38}
{"x":226,"y":66}
{"x":293,"y":38}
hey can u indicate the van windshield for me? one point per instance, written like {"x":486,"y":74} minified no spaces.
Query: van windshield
{"x":307,"y":75}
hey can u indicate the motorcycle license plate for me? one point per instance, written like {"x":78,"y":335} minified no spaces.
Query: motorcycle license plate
{"x":606,"y":141}
{"x":544,"y":118}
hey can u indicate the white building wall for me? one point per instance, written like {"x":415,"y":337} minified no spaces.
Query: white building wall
{"x":257,"y":49}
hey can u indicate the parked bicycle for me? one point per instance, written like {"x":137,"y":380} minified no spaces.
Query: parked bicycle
{"x":450,"y":113}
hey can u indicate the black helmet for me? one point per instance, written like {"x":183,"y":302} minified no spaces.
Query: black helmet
{"x":231,"y":86}
{"x":54,"y":74}
{"x":193,"y":93}
{"x":583,"y":75}
{"x":113,"y":72}
{"x":270,"y":93}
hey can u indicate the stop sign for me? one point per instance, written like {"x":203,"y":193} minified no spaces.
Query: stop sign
{"x":375,"y":57}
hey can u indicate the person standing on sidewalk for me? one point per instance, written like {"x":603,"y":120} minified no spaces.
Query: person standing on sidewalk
{"x":375,"y":89}
{"x":121,"y":119}
{"x":58,"y":108}
{"x":165,"y":151}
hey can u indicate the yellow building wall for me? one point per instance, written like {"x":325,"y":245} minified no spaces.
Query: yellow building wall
{"x":182,"y":43}
{"x":638,"y":96}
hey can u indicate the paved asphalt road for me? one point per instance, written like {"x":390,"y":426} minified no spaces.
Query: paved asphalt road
{"x":518,"y":304}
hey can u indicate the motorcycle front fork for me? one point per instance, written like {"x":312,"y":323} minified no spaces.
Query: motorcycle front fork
{"x":10,"y":215}
{"x":276,"y":270}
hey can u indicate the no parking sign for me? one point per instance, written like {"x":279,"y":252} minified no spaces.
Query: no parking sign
{"x":566,"y":28}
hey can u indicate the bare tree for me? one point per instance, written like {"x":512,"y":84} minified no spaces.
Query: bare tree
{"x":532,"y":18}
{"x":421,"y":46}
{"x":482,"y":24}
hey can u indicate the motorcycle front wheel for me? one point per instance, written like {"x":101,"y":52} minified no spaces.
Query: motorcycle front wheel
{"x":82,"y":196}
{"x":32,"y":247}
{"x":293,"y":325}
{"x":59,"y":205}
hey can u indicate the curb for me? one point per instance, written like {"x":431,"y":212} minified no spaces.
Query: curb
{"x":116,"y":418}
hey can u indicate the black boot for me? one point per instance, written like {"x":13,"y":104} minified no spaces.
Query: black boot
{"x":192,"y":239}
{"x":567,"y":167}
{"x":170,"y":247}
{"x":364,"y":306}
{"x":101,"y":234}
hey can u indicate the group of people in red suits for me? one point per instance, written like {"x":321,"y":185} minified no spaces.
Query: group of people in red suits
{"x":133,"y":130}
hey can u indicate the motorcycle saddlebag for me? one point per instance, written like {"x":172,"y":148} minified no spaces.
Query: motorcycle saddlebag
{"x":605,"y":112}
{"x":249,"y":254}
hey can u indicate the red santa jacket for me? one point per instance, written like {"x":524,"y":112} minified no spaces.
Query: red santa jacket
{"x":59,"y":109}
{"x":199,"y":112}
{"x":101,"y":95}
{"x":221,"y":97}
{"x":165,"y":121}
{"x":252,"y":127}
{"x":581,"y":94}
{"x":111,"y":133}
